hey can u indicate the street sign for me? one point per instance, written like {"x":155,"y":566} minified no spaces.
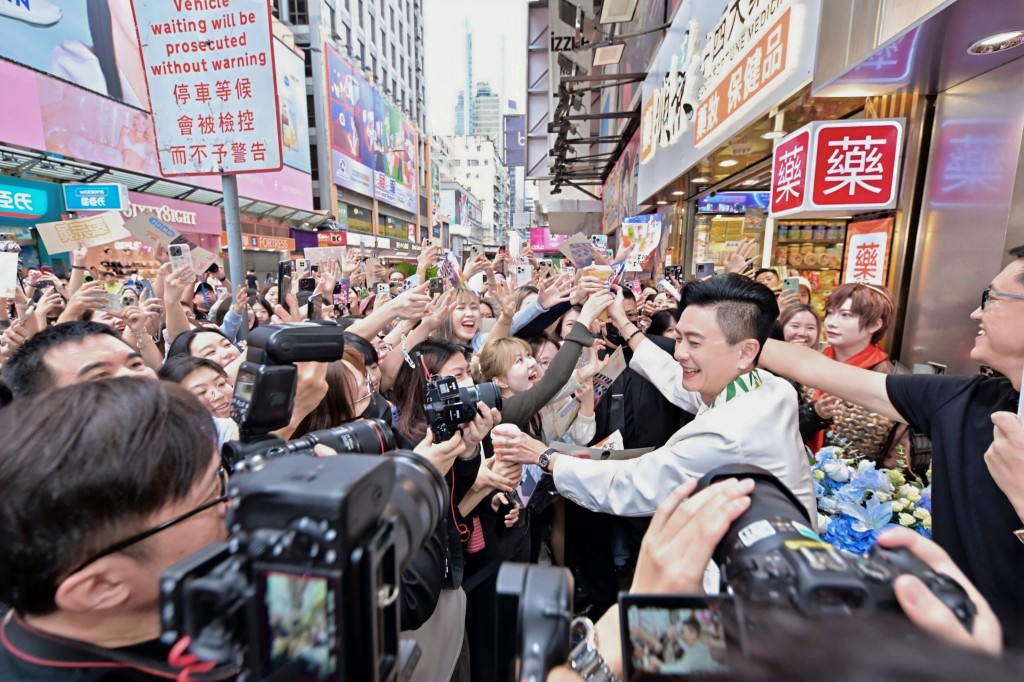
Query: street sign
{"x":210,"y":73}
{"x":85,"y":197}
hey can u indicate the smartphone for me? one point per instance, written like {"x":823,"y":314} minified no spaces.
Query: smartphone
{"x":307,"y":284}
{"x":599,"y":240}
{"x":791,"y":284}
{"x":112,"y":303}
{"x":41,"y":287}
{"x":679,"y":637}
{"x":88,"y":277}
{"x":285,"y":269}
{"x":475,"y":250}
{"x":435,"y":286}
{"x":705,"y":269}
{"x":180,"y":255}
{"x":301,"y":265}
{"x":315,"y":307}
{"x":147,"y":286}
{"x":382,"y":289}
{"x":220,"y":291}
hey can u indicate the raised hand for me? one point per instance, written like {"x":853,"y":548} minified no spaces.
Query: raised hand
{"x":739,"y":260}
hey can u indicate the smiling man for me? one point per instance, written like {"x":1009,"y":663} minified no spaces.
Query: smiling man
{"x":744,"y":415}
{"x":974,"y":519}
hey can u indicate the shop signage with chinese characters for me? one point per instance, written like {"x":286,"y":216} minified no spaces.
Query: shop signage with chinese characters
{"x":830,"y":168}
{"x":325,"y":239}
{"x":867,"y":251}
{"x":749,"y":56}
{"x":211,"y":81}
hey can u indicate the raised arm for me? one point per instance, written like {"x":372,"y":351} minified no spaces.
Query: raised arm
{"x":859,"y":386}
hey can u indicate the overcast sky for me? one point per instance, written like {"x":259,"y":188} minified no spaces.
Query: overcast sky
{"x":494,"y":24}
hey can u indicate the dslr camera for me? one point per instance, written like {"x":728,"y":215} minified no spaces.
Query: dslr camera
{"x":769,"y":557}
{"x":307,"y":586}
{"x":448,"y":406}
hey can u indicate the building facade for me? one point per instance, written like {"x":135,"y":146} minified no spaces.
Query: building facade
{"x":476,"y":164}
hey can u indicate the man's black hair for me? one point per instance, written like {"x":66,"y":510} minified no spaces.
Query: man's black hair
{"x":628,"y":294}
{"x":85,"y":466}
{"x":744,"y":308}
{"x":26,"y":374}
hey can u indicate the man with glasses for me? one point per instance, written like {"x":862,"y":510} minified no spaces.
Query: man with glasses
{"x":396,"y":281}
{"x":974,"y":487}
{"x":103,"y":486}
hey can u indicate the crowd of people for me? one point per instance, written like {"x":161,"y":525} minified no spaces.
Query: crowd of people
{"x":114,"y":416}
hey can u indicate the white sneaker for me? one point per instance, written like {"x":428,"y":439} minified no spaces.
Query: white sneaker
{"x":38,"y":12}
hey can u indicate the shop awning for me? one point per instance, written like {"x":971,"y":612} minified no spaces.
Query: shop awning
{"x":53,"y":168}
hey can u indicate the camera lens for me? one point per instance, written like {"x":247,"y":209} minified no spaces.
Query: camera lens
{"x":418,"y":502}
{"x":364,"y":436}
{"x":487,"y":393}
{"x":771,"y":504}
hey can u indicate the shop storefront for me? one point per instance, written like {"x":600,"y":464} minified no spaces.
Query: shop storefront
{"x":23,"y":203}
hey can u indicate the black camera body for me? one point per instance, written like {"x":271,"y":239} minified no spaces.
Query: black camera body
{"x":534,"y":606}
{"x":448,"y":406}
{"x":307,"y":588}
{"x":770,"y":555}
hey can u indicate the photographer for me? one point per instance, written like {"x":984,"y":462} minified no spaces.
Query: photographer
{"x":92,"y":513}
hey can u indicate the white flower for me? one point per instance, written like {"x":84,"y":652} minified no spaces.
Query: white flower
{"x":883,"y":496}
{"x":907,"y":520}
{"x":910,"y":492}
{"x":898,"y":506}
{"x":837,"y":471}
{"x":922,"y":514}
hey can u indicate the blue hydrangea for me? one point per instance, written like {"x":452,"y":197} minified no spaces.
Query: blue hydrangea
{"x":926,"y":501}
{"x":841,"y":534}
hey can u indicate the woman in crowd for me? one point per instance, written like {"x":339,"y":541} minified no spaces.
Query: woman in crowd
{"x":801,"y":325}
{"x":663,"y":323}
{"x":207,"y":343}
{"x":858,"y":315}
{"x":202,"y":378}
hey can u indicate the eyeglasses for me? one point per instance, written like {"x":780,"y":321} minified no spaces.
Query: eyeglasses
{"x":369,"y":392}
{"x":222,"y":497}
{"x":988,"y":294}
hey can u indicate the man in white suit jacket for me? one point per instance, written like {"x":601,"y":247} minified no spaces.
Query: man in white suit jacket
{"x":744,"y":415}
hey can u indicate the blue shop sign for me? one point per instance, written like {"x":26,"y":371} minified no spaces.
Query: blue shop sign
{"x":23,"y":203}
{"x":91,"y":197}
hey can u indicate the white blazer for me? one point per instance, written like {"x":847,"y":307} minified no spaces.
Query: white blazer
{"x":759,"y":428}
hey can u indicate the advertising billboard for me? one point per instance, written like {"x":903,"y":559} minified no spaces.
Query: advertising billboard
{"x":291,"y":100}
{"x":352,"y":115}
{"x":394,"y":156}
{"x":47,"y":115}
{"x":515,"y":140}
{"x":90,"y":44}
{"x":618,"y":197}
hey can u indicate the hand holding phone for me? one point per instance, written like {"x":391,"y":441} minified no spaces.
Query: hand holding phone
{"x":180,"y":255}
{"x":791,"y":284}
{"x":285,"y":269}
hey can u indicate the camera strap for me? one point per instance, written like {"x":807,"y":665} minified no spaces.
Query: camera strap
{"x":50,"y":651}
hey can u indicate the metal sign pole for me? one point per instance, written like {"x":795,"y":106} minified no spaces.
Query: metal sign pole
{"x":236,"y":273}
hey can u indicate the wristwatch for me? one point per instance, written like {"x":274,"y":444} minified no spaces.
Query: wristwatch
{"x":544,"y":461}
{"x":585,"y":658}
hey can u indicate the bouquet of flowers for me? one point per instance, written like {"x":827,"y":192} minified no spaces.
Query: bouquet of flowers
{"x":856,"y":501}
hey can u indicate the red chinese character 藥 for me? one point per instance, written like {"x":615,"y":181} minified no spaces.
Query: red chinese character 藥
{"x":227,"y":123}
{"x":181,"y":94}
{"x":223,"y":89}
{"x":199,"y":152}
{"x":202,"y":92}
{"x":243,"y":88}
{"x":185,"y":125}
{"x":789,"y":172}
{"x":259,"y":151}
{"x":865,"y":264}
{"x":238,"y":152}
{"x":246,"y":119}
{"x":206,"y":125}
{"x":856,"y":163}
{"x":179,"y":154}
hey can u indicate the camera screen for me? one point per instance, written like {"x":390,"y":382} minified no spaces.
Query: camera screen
{"x":669,"y":638}
{"x":300,"y":632}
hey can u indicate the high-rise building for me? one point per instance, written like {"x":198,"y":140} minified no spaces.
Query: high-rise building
{"x":384,"y":40}
{"x":488,"y":113}
{"x":460,"y":113}
{"x":476,"y":163}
